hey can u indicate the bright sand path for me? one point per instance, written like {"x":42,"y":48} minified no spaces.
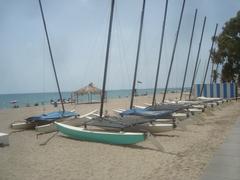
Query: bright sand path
{"x":225,"y":164}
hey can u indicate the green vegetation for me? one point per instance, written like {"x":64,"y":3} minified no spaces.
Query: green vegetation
{"x":227,"y":51}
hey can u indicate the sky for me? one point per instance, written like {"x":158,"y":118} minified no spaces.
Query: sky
{"x":78,"y":36}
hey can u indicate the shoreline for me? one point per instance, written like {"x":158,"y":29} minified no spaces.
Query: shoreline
{"x":30,"y":99}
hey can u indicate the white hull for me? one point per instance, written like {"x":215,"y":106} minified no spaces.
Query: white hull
{"x":220,"y":102}
{"x":152,"y":128}
{"x":166,"y":121}
{"x":199,"y":106}
{"x":51,"y":127}
{"x":180,"y":116}
{"x":21,"y":125}
{"x":48,"y":128}
{"x":208,"y":98}
{"x":195,"y":110}
{"x":4,"y":139}
{"x":156,"y":128}
{"x":211,"y":104}
{"x":190,"y":102}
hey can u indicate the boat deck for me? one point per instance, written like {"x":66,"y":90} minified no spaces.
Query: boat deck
{"x":225,"y":164}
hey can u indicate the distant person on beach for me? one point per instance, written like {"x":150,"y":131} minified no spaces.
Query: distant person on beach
{"x":55,"y":104}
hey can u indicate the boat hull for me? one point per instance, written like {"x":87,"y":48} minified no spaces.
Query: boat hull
{"x":152,"y":128}
{"x":51,"y":127}
{"x":117,"y":138}
{"x":180,"y":116}
{"x":22,"y":125}
{"x":48,"y":128}
{"x":162,"y":121}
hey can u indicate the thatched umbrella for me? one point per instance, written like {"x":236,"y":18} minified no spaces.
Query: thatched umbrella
{"x":90,"y":89}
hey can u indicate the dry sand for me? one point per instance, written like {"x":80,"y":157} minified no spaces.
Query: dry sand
{"x":188,"y":152}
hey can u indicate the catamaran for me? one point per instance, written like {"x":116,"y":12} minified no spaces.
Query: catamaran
{"x":119,"y":126}
{"x":156,"y":109}
{"x":46,"y":118}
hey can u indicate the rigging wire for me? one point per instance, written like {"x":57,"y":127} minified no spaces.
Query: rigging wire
{"x":160,"y":53}
{"x":122,"y":54}
{"x":121,"y":48}
{"x":174,"y":49}
{"x":51,"y":56}
{"x":189,"y":52}
{"x":43,"y":75}
{"x":204,"y":67}
{"x":209,"y":58}
{"x":197,"y":58}
{"x":95,"y":44}
{"x":138,"y":52}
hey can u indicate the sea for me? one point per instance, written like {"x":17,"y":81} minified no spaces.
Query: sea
{"x":38,"y":99}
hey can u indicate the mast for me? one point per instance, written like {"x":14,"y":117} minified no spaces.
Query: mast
{"x":173,"y":53}
{"x":197,"y":59}
{"x":209,"y":57}
{"x":189,"y":52}
{"x":107,"y":57}
{"x":160,"y":53}
{"x":137,"y":57}
{"x":50,"y":52}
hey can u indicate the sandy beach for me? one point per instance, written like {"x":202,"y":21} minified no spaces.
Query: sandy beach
{"x":188,"y":152}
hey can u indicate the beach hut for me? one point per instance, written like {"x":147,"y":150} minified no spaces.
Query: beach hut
{"x":88,"y":90}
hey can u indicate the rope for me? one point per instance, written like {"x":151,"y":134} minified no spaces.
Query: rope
{"x":51,"y":137}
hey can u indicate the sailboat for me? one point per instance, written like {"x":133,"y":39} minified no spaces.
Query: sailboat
{"x":46,"y":119}
{"x":186,"y":106}
{"x":156,"y":109}
{"x":81,"y":133}
{"x":200,"y":101}
{"x":119,"y":126}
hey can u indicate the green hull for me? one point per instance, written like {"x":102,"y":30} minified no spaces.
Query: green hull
{"x":119,"y":138}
